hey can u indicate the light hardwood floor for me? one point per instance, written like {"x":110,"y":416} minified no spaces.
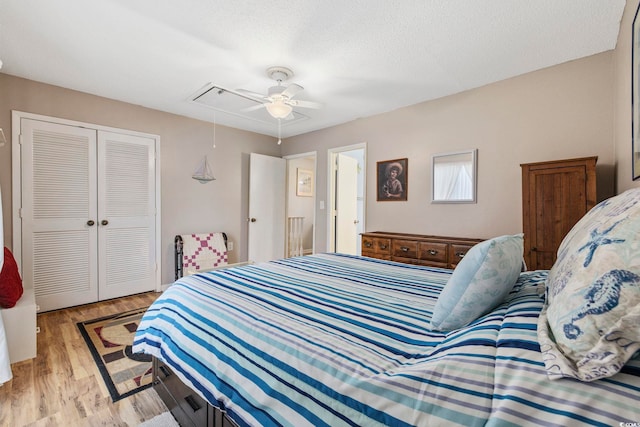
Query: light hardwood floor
{"x":62,"y":385}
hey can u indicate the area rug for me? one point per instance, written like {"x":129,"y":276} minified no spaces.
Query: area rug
{"x":163,"y":420}
{"x":110,"y":339}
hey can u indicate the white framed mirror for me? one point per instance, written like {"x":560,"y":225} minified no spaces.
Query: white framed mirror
{"x":453,"y":177}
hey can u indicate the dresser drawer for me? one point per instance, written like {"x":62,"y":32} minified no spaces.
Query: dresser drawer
{"x":377,"y":245}
{"x":171,"y":404}
{"x":433,"y":251}
{"x":422,"y":262}
{"x":190,"y":404}
{"x":373,"y":254}
{"x":433,"y":263}
{"x":405,"y":248}
{"x":406,"y":260}
{"x":457,"y":253}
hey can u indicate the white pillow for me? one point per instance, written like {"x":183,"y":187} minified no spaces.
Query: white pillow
{"x":590,"y":324}
{"x":480,"y":282}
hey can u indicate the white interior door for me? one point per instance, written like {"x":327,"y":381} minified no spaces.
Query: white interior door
{"x":59,"y":213}
{"x":346,"y":205}
{"x":126,"y":214}
{"x":267,"y":184}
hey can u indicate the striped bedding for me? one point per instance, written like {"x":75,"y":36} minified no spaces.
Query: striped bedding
{"x":337,"y":340}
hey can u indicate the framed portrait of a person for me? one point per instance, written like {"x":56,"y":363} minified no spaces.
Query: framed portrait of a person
{"x":392,"y":180}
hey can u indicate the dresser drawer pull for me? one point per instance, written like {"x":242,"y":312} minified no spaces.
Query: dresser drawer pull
{"x":432,"y":252}
{"x":192,"y":403}
{"x":383,"y":246}
{"x":460,"y":254}
{"x":367,"y":244}
{"x":165,"y":371}
{"x":404,"y":249}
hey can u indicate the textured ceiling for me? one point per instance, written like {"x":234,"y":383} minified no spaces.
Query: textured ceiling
{"x":356,"y":57}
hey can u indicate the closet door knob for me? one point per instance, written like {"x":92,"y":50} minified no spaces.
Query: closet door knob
{"x":90,"y":222}
{"x":104,"y":222}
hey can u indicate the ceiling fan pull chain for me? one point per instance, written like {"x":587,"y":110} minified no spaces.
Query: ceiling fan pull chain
{"x":214,"y":129}
{"x":279,"y":129}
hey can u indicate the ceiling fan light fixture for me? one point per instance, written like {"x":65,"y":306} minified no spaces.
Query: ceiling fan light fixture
{"x":278,"y":109}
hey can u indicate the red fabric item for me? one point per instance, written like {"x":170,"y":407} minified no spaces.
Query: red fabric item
{"x":10,"y":281}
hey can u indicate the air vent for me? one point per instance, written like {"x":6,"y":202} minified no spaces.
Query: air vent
{"x":231,"y":102}
{"x":223,"y":99}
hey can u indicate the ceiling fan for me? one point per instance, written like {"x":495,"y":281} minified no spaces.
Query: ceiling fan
{"x":279,"y":100}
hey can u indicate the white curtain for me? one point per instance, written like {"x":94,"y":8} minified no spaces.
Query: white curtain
{"x":454,"y":181}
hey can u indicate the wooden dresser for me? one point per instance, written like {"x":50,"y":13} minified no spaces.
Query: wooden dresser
{"x":432,"y":251}
{"x":555,"y":195}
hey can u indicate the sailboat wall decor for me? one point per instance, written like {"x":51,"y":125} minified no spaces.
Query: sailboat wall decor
{"x":203,"y":174}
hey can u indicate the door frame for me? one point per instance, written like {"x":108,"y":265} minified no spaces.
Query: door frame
{"x":16,"y":178}
{"x":331,"y":183}
{"x":313,"y":154}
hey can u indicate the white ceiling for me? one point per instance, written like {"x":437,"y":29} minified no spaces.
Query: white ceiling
{"x":356,"y":57}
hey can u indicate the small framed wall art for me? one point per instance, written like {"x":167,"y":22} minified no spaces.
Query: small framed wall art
{"x":392,"y":180}
{"x":304,"y":180}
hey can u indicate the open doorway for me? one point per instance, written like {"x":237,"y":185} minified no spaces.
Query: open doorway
{"x":300,"y":204}
{"x":347,"y":172}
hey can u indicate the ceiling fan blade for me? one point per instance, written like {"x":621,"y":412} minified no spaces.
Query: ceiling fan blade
{"x":304,"y":104}
{"x":291,"y":90}
{"x":253,"y":108}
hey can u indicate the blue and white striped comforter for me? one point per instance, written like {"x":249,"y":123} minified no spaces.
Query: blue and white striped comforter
{"x":332,"y":340}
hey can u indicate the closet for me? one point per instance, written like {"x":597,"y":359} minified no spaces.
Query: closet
{"x":555,"y":195}
{"x":88,"y":221}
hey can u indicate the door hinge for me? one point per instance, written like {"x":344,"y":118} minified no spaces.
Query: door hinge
{"x":20,"y":212}
{"x":20,"y":139}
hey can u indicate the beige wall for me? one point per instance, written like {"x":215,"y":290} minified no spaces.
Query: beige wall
{"x":577,"y":109}
{"x":559,"y":112}
{"x":622,"y":106}
{"x":187,"y":206}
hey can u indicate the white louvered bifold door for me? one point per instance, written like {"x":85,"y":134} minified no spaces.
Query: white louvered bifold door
{"x":59,"y":242}
{"x":126,"y":214}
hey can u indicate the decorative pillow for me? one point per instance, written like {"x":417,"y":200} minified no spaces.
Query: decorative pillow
{"x":590,"y":324}
{"x":480,"y":282}
{"x":10,"y":282}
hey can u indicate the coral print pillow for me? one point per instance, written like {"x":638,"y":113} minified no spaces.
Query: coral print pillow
{"x":590,"y":325}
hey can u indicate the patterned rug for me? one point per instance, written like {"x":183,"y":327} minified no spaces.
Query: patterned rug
{"x":110,"y":339}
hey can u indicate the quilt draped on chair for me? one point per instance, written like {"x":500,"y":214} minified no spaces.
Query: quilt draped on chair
{"x":202,"y":252}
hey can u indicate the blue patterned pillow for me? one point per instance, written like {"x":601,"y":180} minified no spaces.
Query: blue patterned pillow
{"x":590,"y":324}
{"x":480,"y":282}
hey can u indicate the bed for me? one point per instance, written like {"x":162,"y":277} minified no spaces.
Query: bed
{"x":340,"y":340}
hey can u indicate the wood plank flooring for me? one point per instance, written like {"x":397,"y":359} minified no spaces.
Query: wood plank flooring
{"x":62,"y":385}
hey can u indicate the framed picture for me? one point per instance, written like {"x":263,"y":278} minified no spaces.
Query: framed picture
{"x":635,"y":98}
{"x":454,"y":176}
{"x":392,"y":180}
{"x":304,"y":180}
